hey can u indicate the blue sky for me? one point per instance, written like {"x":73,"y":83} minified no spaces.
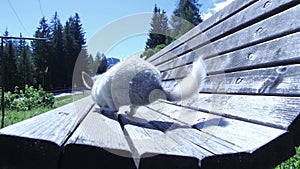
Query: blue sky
{"x":117,"y":28}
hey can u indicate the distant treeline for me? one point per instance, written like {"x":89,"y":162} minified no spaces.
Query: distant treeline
{"x":165,"y":30}
{"x":51,"y":62}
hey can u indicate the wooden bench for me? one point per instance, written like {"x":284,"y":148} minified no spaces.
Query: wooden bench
{"x":245,"y":116}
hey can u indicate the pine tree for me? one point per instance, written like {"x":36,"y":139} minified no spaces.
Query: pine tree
{"x":69,"y":47}
{"x":185,"y":17}
{"x":91,"y":65}
{"x":55,"y":58}
{"x":41,"y":52}
{"x":159,"y":29}
{"x":57,"y":61}
{"x":81,"y":66}
{"x":3,"y":60}
{"x":26,"y":68}
{"x":78,"y":32}
{"x":102,"y":63}
{"x":30,"y":67}
{"x":74,"y":38}
{"x":8,"y":61}
{"x":10,"y":67}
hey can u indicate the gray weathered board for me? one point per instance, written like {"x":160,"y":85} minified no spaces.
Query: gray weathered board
{"x":246,"y":115}
{"x":99,"y":141}
{"x":36,"y":142}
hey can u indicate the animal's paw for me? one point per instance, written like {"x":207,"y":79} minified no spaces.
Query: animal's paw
{"x":129,"y":113}
{"x":133,"y":109}
{"x":105,"y":108}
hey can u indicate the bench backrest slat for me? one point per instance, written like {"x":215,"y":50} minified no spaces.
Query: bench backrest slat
{"x":216,"y":19}
{"x":233,"y":24}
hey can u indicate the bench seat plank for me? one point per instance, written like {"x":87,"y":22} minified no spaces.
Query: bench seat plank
{"x":152,"y":148}
{"x":273,"y":111}
{"x":255,"y":141}
{"x":40,"y":138}
{"x":225,"y":154}
{"x":170,"y":126}
{"x":98,"y":137}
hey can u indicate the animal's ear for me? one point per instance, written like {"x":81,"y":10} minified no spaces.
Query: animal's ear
{"x":87,"y":80}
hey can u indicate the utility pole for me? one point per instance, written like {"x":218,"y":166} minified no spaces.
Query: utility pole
{"x":3,"y":74}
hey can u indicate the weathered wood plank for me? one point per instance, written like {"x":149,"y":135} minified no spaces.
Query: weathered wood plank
{"x":282,"y":80}
{"x":275,"y":52}
{"x":36,"y":142}
{"x":276,"y":26}
{"x":273,"y":111}
{"x":254,"y":140}
{"x":256,"y":33}
{"x":225,"y":154}
{"x":184,"y":131}
{"x":98,"y":141}
{"x":153,"y":148}
{"x":177,"y":73}
{"x":254,"y":13}
{"x":217,"y":18}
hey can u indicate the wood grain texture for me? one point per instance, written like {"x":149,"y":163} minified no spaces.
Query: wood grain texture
{"x":279,"y":51}
{"x":281,"y":24}
{"x":272,"y":111}
{"x":241,"y":30}
{"x":99,"y":135}
{"x":276,"y":52}
{"x":257,"y":33}
{"x":254,"y":141}
{"x":225,"y":154}
{"x":152,"y":148}
{"x":281,"y":80}
{"x":216,"y":19}
{"x":36,"y":142}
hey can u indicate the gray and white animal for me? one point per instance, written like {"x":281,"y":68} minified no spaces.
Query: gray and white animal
{"x":136,"y":82}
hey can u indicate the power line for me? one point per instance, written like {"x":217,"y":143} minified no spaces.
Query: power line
{"x":24,"y":38}
{"x":41,"y":9}
{"x":11,"y":6}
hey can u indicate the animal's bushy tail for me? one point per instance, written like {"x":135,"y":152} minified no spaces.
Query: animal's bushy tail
{"x":190,"y":84}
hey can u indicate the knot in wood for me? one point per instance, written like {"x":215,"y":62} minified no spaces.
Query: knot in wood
{"x":63,"y":113}
{"x":238,"y":80}
{"x":267,"y":4}
{"x":259,"y":30}
{"x":281,"y":70}
{"x":251,"y":56}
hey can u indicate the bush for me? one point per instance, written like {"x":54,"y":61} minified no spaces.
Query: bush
{"x":30,"y":97}
{"x":159,"y":47}
{"x":149,"y":52}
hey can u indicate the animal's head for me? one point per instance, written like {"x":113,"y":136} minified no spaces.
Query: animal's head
{"x":88,"y":81}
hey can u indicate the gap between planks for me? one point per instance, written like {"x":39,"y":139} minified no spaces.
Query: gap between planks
{"x":227,"y":116}
{"x":281,"y":8}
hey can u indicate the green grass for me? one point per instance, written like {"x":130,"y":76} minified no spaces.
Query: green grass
{"x":13,"y":116}
{"x":60,"y":101}
{"x":292,"y":163}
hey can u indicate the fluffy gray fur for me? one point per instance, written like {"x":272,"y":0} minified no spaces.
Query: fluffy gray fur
{"x":136,"y":82}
